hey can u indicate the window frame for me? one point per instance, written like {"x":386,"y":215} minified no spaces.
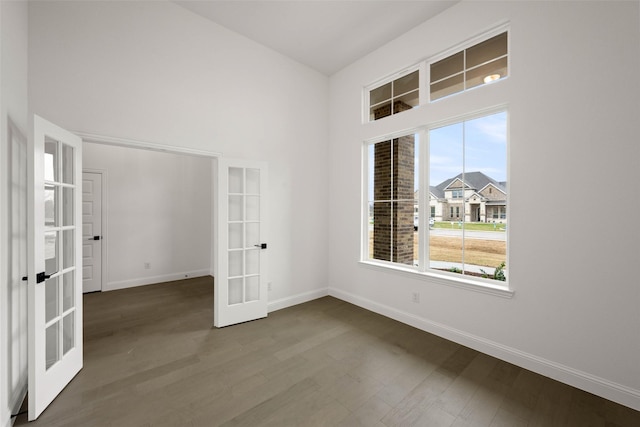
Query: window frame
{"x":478,"y":284}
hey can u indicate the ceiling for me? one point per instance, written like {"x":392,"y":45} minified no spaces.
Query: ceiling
{"x":326,"y":35}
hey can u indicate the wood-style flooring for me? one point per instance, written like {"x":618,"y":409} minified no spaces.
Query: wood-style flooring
{"x":153,"y":359}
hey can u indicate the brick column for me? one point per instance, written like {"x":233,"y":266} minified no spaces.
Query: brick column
{"x":394,"y":181}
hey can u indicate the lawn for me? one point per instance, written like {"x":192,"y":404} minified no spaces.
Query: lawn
{"x":478,"y":226}
{"x":488,"y":253}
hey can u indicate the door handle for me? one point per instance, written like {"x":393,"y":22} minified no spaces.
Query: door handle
{"x":41,"y":277}
{"x":95,"y":238}
{"x":261,"y":246}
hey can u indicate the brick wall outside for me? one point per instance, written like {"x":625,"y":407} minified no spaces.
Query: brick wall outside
{"x":394,"y":193}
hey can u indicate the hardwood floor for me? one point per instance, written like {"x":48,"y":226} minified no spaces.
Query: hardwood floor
{"x":153,"y":359}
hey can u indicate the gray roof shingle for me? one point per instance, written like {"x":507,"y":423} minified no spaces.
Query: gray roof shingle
{"x":474,"y":180}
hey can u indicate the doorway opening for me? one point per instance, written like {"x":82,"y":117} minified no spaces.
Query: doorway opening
{"x":157,"y":213}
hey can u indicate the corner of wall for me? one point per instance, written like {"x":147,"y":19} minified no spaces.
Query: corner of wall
{"x":292,"y":300}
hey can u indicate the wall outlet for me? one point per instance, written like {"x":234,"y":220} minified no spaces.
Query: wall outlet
{"x":269,"y":286}
{"x":415,"y":297}
{"x":147,"y":265}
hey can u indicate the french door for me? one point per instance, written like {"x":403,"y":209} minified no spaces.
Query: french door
{"x":240,"y":282}
{"x":55,"y":260}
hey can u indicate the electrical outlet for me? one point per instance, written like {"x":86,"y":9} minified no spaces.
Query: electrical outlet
{"x":147,"y":265}
{"x":269,"y":286}
{"x":415,"y":297}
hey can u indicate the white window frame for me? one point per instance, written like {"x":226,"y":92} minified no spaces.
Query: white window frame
{"x":478,"y":284}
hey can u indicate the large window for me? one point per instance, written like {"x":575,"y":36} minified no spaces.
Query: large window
{"x":465,"y":222}
{"x":436,"y":196}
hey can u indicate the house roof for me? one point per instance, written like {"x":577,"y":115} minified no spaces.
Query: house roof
{"x":436,"y":191}
{"x":473,"y":180}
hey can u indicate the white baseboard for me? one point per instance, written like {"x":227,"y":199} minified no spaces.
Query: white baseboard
{"x":296,"y":299}
{"x":141,"y":281}
{"x":593,"y":384}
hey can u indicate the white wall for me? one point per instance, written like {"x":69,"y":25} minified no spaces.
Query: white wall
{"x":572,"y":97}
{"x":13,"y":135}
{"x":153,"y":71}
{"x":158,"y":211}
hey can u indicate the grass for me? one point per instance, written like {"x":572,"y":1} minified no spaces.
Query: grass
{"x":477,"y":226}
{"x":487,"y":253}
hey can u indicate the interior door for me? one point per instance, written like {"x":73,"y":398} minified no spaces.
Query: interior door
{"x":91,"y":232}
{"x":54,"y":280}
{"x":240,"y":282}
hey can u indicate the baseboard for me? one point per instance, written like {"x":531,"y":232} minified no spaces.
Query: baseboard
{"x":296,"y":299}
{"x":593,"y":384}
{"x":141,"y":281}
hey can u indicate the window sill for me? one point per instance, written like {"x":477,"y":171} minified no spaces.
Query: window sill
{"x":443,"y":279}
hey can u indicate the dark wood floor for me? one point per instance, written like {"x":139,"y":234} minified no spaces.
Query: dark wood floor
{"x":152,"y":359}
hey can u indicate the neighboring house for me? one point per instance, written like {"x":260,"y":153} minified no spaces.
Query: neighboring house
{"x":472,"y":197}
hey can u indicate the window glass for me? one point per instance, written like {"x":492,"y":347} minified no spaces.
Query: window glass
{"x":395,"y":97}
{"x":447,"y":67}
{"x":477,"y":65}
{"x":392,"y":185}
{"x":383,"y":93}
{"x":486,"y":51}
{"x":470,"y":159}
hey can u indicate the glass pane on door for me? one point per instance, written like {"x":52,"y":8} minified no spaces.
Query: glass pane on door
{"x":51,"y":258}
{"x":68,"y":291}
{"x":235,"y":291}
{"x":50,"y":160}
{"x":51,"y":345}
{"x":68,"y":252}
{"x":253,"y":181}
{"x":253,"y":288}
{"x":67,"y":164}
{"x":50,"y":206}
{"x":68,"y":336}
{"x":51,"y":299}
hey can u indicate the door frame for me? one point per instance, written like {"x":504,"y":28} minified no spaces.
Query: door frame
{"x":103,"y":222}
{"x":144,"y":145}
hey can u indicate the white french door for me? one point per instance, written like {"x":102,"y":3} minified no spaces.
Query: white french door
{"x":55,"y":258}
{"x":240,"y":282}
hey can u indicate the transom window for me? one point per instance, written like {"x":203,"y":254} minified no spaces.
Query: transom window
{"x":479,"y":64}
{"x":394,"y":97}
